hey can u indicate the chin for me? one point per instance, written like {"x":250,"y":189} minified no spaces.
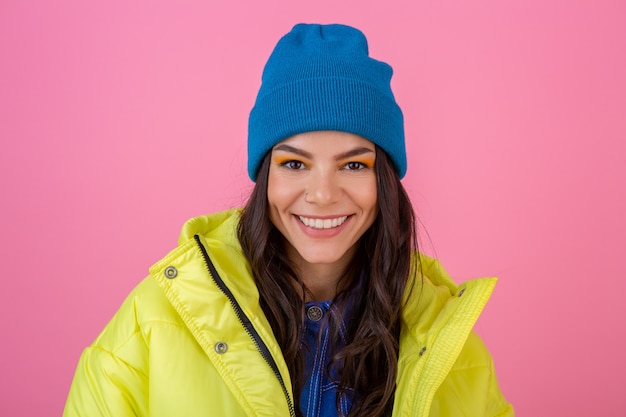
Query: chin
{"x":324,"y":258}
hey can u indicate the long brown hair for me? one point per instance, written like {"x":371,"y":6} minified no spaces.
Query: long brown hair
{"x":369,"y":360}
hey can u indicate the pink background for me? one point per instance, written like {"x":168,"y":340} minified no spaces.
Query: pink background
{"x":121,"y":119}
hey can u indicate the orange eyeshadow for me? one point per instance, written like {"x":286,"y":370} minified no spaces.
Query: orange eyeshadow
{"x":281,"y":159}
{"x":369,"y":162}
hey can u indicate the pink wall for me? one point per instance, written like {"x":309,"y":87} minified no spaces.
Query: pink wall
{"x":119,"y":120}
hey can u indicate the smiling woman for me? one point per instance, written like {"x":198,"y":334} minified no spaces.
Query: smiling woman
{"x":312,"y":300}
{"x":322,"y":197}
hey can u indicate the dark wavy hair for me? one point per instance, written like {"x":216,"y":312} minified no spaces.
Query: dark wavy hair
{"x":368,"y":363}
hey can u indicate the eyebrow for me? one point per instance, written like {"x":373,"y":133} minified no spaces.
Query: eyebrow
{"x":348,"y":154}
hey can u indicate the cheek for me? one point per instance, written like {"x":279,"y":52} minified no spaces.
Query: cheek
{"x":275,"y":193}
{"x":370,"y":207}
{"x":281,"y":194}
{"x":273,"y":187}
{"x":369,"y":199}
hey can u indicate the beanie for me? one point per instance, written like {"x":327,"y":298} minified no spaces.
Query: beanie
{"x":320,"y":77}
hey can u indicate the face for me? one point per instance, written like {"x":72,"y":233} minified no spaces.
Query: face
{"x":322,"y":195}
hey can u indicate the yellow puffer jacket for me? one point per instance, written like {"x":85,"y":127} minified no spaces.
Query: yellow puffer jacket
{"x":192,"y":340}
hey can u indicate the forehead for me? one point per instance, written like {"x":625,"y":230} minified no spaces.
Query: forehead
{"x":326,"y":141}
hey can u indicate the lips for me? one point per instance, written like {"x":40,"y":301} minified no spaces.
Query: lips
{"x":321,"y":224}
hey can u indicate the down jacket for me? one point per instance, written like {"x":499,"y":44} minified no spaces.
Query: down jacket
{"x":191,"y":340}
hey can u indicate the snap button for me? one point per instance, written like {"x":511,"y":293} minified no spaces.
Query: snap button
{"x":171,"y":272}
{"x":314,"y":313}
{"x":422,"y":350}
{"x":461,"y":292}
{"x":221,"y":347}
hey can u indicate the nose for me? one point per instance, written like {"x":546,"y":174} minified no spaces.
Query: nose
{"x":322,"y":188}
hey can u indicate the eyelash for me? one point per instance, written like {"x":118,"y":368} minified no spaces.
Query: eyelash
{"x":288,"y":164}
{"x":347,"y":166}
{"x":361,"y":166}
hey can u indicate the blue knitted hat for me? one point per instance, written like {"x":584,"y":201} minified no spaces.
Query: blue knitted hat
{"x":320,"y":77}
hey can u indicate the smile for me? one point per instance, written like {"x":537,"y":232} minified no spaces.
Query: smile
{"x":322,"y":223}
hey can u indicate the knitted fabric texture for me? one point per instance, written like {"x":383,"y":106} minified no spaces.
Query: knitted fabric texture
{"x":320,"y":77}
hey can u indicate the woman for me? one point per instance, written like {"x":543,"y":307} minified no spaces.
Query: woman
{"x":312,"y":300}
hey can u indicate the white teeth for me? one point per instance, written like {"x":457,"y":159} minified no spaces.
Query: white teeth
{"x":323,"y":223}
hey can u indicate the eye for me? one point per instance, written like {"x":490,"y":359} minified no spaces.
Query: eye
{"x":293,"y":164}
{"x":355,"y":166}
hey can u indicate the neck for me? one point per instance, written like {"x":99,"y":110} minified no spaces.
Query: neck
{"x":321,"y":280}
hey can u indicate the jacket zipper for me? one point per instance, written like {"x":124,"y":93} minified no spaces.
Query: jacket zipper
{"x":246,"y":323}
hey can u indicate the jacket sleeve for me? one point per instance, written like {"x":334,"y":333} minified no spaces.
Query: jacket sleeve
{"x":111,"y":378}
{"x":106,"y":385}
{"x":497,"y":405}
{"x":471,"y":387}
